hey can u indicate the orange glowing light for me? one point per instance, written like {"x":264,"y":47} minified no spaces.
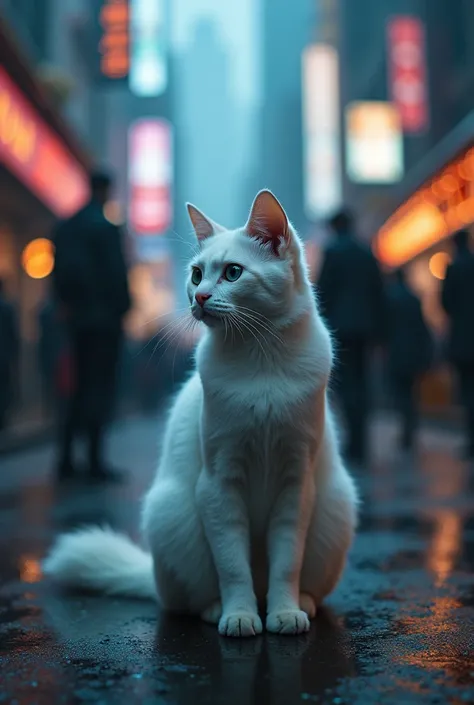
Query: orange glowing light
{"x":113,"y":212}
{"x":38,"y":258}
{"x":449,"y":183}
{"x":439,"y":208}
{"x":30,"y":569}
{"x":438,"y":264}
{"x":114,"y":44}
{"x":416,"y":231}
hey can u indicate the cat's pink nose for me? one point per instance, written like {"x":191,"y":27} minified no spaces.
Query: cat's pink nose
{"x":202,"y":298}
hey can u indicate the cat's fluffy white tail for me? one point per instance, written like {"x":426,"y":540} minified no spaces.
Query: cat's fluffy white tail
{"x":104,"y":561}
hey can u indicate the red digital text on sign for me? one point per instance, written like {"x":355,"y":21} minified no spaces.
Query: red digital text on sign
{"x":407,"y":71}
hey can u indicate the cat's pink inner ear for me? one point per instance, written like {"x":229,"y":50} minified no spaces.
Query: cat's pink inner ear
{"x":203,"y":226}
{"x":268,"y":221}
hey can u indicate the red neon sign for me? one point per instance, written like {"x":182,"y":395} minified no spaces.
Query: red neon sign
{"x":150,"y":176}
{"x":407,"y":71}
{"x":31,"y":150}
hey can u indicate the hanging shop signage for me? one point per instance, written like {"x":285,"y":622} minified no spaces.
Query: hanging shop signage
{"x":374,"y":143}
{"x":407,"y":71}
{"x":114,"y":40}
{"x":150,"y":176}
{"x":321,"y":131}
{"x":32,"y":151}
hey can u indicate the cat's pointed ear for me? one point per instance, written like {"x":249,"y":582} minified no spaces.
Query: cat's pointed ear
{"x":203,"y":226}
{"x":268,"y":222}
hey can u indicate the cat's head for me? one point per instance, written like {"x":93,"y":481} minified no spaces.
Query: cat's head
{"x":250,"y":274}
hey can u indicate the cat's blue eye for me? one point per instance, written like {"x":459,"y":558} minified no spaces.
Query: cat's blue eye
{"x":233,"y":272}
{"x":196,"y":276}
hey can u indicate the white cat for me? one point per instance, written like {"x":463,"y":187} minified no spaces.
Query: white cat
{"x":251,"y":502}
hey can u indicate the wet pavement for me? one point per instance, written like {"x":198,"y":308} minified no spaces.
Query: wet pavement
{"x":399,"y":629}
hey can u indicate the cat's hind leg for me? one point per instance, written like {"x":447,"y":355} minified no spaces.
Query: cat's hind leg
{"x":184,"y":570}
{"x":329,"y":537}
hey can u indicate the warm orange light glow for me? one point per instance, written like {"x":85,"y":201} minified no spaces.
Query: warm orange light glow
{"x":114,"y":44}
{"x":465,"y":211}
{"x":445,"y":545}
{"x":17,"y":131}
{"x":449,"y":183}
{"x":113,"y":212}
{"x":412,"y":234}
{"x":38,"y":258}
{"x":30,"y":569}
{"x":438,"y":264}
{"x":439,"y":208}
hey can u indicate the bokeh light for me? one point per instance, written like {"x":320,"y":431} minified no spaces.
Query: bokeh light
{"x":113,"y":212}
{"x":38,"y":258}
{"x":438,"y":264}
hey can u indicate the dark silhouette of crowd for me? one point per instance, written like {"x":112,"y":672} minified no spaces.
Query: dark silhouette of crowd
{"x":365,"y":314}
{"x":458,"y":302}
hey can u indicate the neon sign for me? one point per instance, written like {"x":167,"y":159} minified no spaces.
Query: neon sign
{"x":150,"y":165}
{"x":32,"y":151}
{"x":438,"y":209}
{"x":114,"y":41}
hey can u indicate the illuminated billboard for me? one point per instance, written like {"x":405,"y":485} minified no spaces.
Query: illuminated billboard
{"x":150,"y":176}
{"x":34,"y":153}
{"x":114,"y":40}
{"x":148,"y":75}
{"x":407,"y":71}
{"x":321,"y":131}
{"x":374,"y":143}
{"x":438,"y":209}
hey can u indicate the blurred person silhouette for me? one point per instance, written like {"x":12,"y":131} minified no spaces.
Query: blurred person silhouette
{"x":410,"y":351}
{"x":49,"y":350}
{"x":91,"y":289}
{"x":352,"y":299}
{"x":457,"y":298}
{"x":9,"y":349}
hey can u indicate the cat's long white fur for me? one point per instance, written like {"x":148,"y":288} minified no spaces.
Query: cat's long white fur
{"x":251,"y":501}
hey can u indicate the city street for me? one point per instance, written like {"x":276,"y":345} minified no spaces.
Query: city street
{"x":399,"y":629}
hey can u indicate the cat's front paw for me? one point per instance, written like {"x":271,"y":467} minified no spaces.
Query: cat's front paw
{"x":240,"y":624}
{"x":288,"y":622}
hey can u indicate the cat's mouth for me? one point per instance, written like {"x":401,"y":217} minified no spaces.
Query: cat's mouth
{"x":209,"y":318}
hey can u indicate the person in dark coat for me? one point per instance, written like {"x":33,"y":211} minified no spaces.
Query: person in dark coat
{"x":8,"y":355}
{"x":458,"y":301}
{"x":410,"y":351}
{"x":352,"y":300}
{"x":49,"y":346}
{"x":91,"y":289}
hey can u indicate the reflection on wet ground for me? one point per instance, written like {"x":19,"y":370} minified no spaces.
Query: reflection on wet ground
{"x":399,"y":629}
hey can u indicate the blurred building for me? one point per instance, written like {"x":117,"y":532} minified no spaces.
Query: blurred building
{"x":407,"y":119}
{"x":44,"y":113}
{"x":286,"y":29}
{"x":209,"y":121}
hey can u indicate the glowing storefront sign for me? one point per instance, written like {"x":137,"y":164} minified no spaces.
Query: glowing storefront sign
{"x":148,"y":75}
{"x":150,"y":167}
{"x":322,"y":140}
{"x":374,"y":143}
{"x":37,"y":157}
{"x":438,"y":209}
{"x":114,"y":40}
